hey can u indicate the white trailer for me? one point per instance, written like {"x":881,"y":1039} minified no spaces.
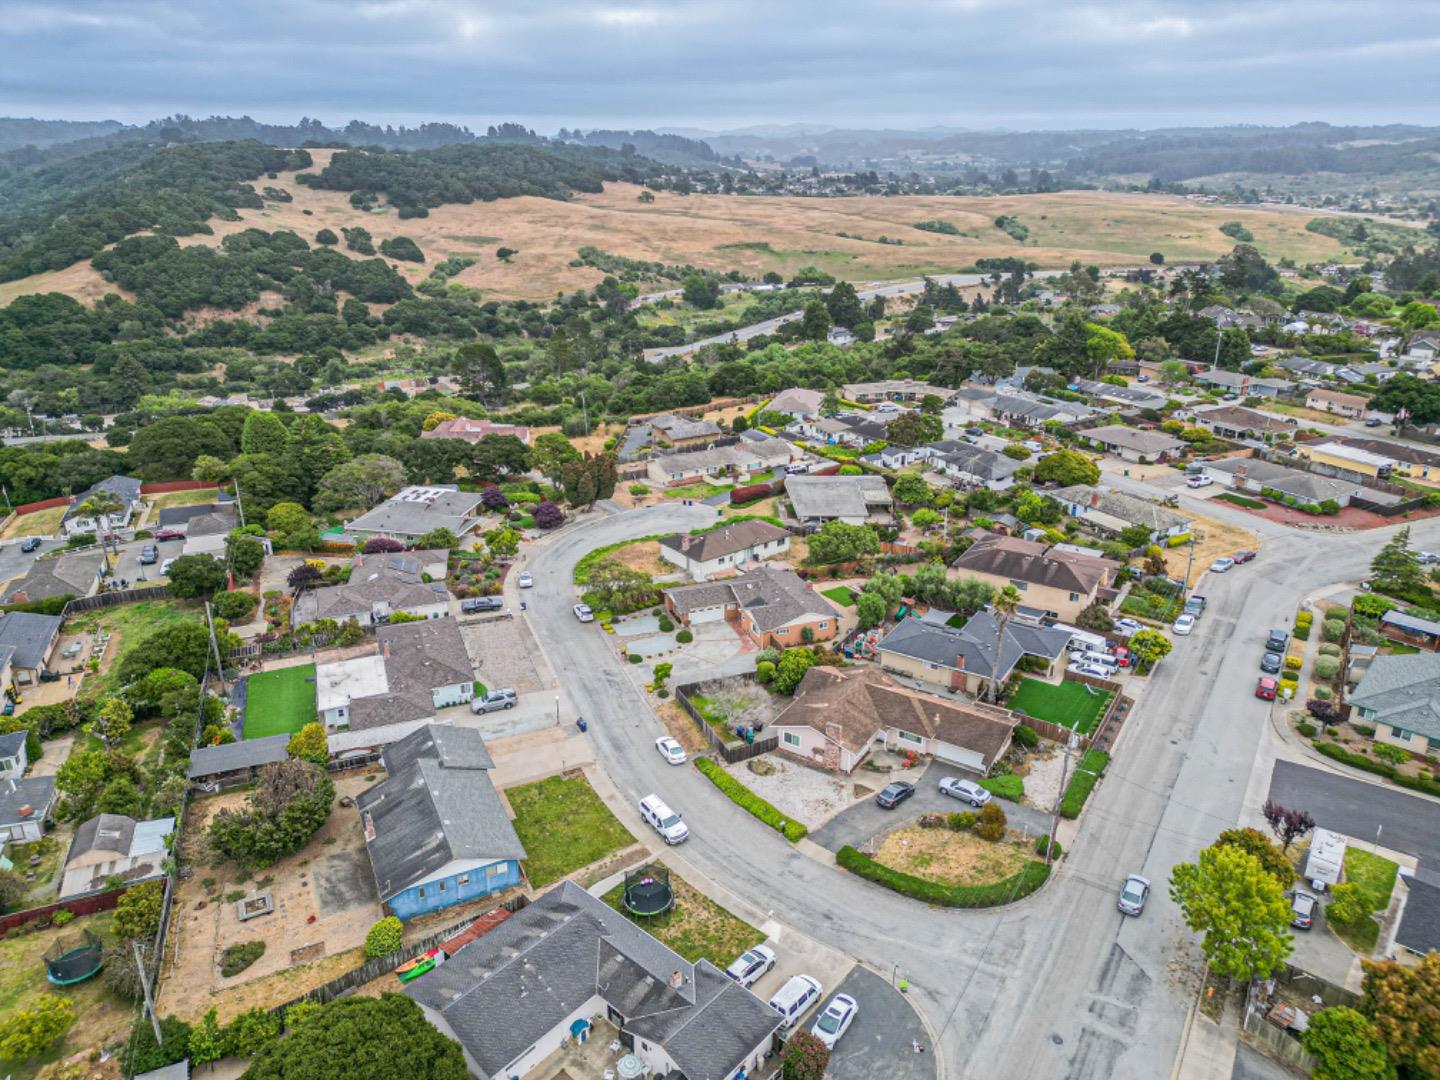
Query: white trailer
{"x":1326,"y":859}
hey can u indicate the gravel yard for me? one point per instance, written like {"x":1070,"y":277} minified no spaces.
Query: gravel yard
{"x":1042,"y":778}
{"x":804,"y":794}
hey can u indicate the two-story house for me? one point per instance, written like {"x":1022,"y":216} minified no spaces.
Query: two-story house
{"x":1052,"y":583}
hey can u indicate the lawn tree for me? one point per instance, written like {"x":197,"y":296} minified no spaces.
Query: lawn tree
{"x":870,"y":610}
{"x":137,"y":915}
{"x":1173,"y":372}
{"x":505,"y":254}
{"x":815,"y":322}
{"x":290,"y":802}
{"x":1149,"y":647}
{"x":1155,"y":564}
{"x":1066,"y":467}
{"x":293,"y":526}
{"x":1240,"y":908}
{"x":551,"y":453}
{"x":912,"y":490}
{"x":359,"y":484}
{"x":840,"y":542}
{"x":497,"y":457}
{"x":889,"y":587}
{"x":309,"y":744}
{"x":1003,"y":608}
{"x":30,"y":1031}
{"x":502,"y":543}
{"x":110,"y":721}
{"x":252,"y":1031}
{"x":1096,"y":617}
{"x":791,"y":669}
{"x":1396,"y":566}
{"x":1257,"y":844}
{"x":1135,"y":536}
{"x":831,"y":403}
{"x":1346,"y":1046}
{"x":1287,"y":825}
{"x":1104,"y":346}
{"x":914,"y":429}
{"x":207,"y":1040}
{"x":805,"y":1057}
{"x":481,"y":372}
{"x":1403,"y":1002}
{"x":741,"y":704}
{"x":619,"y":589}
{"x":244,"y":552}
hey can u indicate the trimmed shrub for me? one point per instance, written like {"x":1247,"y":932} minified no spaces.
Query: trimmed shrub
{"x":960,"y":822}
{"x":1044,"y":842}
{"x":765,"y":672}
{"x":1293,"y":663}
{"x":1324,"y":693}
{"x":750,"y":493}
{"x":1336,"y":752}
{"x":1022,"y":884}
{"x":384,"y":937}
{"x":235,"y":607}
{"x":634,"y":658}
{"x":748,"y":801}
{"x":684,"y":637}
{"x":1329,"y":648}
{"x":991,"y":821}
{"x":1087,"y":775}
{"x":1304,"y":618}
{"x":666,"y":625}
{"x":1005,"y":787}
{"x":1026,"y":736}
{"x":1301,"y":633}
{"x":1327,"y":667}
{"x":1322,"y":710}
{"x":1306,"y":730}
{"x":1332,"y":629}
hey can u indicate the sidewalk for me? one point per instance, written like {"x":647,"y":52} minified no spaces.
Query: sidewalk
{"x":1207,"y":1051}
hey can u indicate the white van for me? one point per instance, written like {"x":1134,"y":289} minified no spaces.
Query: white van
{"x":794,"y":999}
{"x":1083,"y":641}
{"x":663,"y":820}
{"x":1102,"y":659}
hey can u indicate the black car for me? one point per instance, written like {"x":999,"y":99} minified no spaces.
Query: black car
{"x":32,"y":544}
{"x":894,"y":794}
{"x":481,"y":603}
{"x":1270,"y":663}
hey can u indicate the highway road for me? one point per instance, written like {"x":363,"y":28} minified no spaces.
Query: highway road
{"x":1059,"y":985}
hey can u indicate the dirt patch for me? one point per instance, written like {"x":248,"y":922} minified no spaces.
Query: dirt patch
{"x":681,"y":727}
{"x":1042,"y":777}
{"x":801,"y":793}
{"x":952,"y":858}
{"x":644,"y":557}
{"x":1213,"y":540}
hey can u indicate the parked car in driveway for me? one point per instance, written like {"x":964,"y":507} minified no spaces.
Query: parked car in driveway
{"x":583,"y":613}
{"x":31,"y":544}
{"x":494,"y":701}
{"x":795,"y":998}
{"x":1265,"y":689}
{"x":1184,"y":624}
{"x":964,"y":790}
{"x":149,"y":555}
{"x":1126,"y":627}
{"x":1199,"y":481}
{"x":1302,"y":908}
{"x":481,"y":603}
{"x":751,"y":965}
{"x":168,"y":534}
{"x":1098,"y":671}
{"x":663,"y":820}
{"x":1270,"y":663}
{"x":1133,"y":894}
{"x":836,"y":1019}
{"x":165,"y":566}
{"x":671,"y":750}
{"x":1219,"y":566}
{"x":892,"y":795}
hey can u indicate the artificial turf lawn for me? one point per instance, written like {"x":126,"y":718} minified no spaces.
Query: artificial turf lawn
{"x":280,"y":702}
{"x":1071,"y":704}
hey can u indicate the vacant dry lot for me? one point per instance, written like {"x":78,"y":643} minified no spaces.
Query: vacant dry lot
{"x":951,"y":858}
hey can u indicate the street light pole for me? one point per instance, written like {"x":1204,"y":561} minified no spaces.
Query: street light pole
{"x":557,"y":709}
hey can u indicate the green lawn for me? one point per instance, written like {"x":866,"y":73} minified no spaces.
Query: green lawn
{"x":564,"y":826}
{"x":696,"y":926}
{"x":841,"y":594}
{"x":697,"y":491}
{"x":128,"y":624}
{"x":280,"y":702}
{"x":1376,"y":877}
{"x":1070,"y":704}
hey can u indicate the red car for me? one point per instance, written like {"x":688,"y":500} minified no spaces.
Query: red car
{"x":1243,"y":556}
{"x":1265,"y":689}
{"x":168,"y":534}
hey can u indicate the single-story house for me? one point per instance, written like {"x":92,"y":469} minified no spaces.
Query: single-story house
{"x":1334,"y":401}
{"x":1133,"y":444}
{"x":854,"y":430}
{"x":767,"y":605}
{"x":417,"y":669}
{"x":31,"y":640}
{"x":1129,"y":397}
{"x":472,"y":431}
{"x":721,"y":551}
{"x":180,"y":517}
{"x":524,"y":989}
{"x":1410,"y":629}
{"x":1113,"y":512}
{"x":683,"y":431}
{"x":1406,"y":459}
{"x":1424,"y":346}
{"x":949,"y":658}
{"x":26,"y":804}
{"x":379,"y":586}
{"x":235,"y":763}
{"x":840,"y":714}
{"x":124,"y":489}
{"x":1054,"y":583}
{"x":1337,"y":459}
{"x":115,"y":846}
{"x":435,"y":828}
{"x":1237,"y":382}
{"x":13,"y":758}
{"x":416,"y":510}
{"x":968,"y":465}
{"x":1238,"y":422}
{"x":1419,"y":931}
{"x":1304,"y":366}
{"x":797,"y":402}
{"x":741,"y":459}
{"x":1399,"y":696}
{"x":71,"y":574}
{"x":894,"y":390}
{"x":1257,"y":476}
{"x":855,"y":500}
{"x":840,"y":335}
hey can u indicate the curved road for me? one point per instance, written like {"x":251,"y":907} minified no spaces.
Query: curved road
{"x":1059,"y":985}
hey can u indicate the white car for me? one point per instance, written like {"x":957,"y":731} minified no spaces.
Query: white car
{"x":1126,"y":627}
{"x":663,"y":820}
{"x":583,"y":613}
{"x":165,"y":567}
{"x":835,"y":1020}
{"x":525,"y":581}
{"x":1219,"y":566}
{"x":671,"y":750}
{"x":1184,"y":624}
{"x":1199,"y":482}
{"x":1097,"y":671}
{"x":751,"y":965}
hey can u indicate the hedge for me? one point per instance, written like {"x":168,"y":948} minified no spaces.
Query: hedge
{"x":747,"y":800}
{"x":1092,"y":764}
{"x":1006,"y":787}
{"x":1338,"y":753}
{"x":933,"y":892}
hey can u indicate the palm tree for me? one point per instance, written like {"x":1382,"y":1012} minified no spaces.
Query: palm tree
{"x":1003,"y":606}
{"x":99,"y":507}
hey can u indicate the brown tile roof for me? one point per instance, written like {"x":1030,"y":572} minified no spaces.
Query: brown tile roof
{"x":730,"y":540}
{"x":1035,"y":563}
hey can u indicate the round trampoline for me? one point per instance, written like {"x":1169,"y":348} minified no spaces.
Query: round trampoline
{"x":647,"y":891}
{"x":73,"y":959}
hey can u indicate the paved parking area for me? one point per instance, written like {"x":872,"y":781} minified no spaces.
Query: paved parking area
{"x":883,"y":1036}
{"x":505,"y":653}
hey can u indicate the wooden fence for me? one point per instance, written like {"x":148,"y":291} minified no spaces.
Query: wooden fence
{"x":160,"y":487}
{"x":732,"y":752}
{"x":113,"y":599}
{"x":43,"y":504}
{"x":86,"y":904}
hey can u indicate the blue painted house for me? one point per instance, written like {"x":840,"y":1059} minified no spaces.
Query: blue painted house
{"x":435,"y":828}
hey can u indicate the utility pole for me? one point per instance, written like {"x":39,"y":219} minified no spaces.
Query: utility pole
{"x":145,"y":988}
{"x":215,"y":648}
{"x":1189,"y":565}
{"x":239,"y":506}
{"x":1055,"y":816}
{"x":585,"y":412}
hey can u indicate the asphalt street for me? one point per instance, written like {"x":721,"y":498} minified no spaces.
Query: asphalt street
{"x":883,"y":1038}
{"x":1059,"y":985}
{"x":1365,"y":811}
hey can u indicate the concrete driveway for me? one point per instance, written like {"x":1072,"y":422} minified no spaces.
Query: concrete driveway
{"x":866,"y":819}
{"x":883,"y":1036}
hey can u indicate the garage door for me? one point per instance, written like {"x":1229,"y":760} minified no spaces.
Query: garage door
{"x":957,"y":755}
{"x":707,"y":614}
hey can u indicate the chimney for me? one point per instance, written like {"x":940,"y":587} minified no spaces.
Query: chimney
{"x":832,"y":731}
{"x":27,"y":811}
{"x":1094,"y":499}
{"x":960,"y":662}
{"x":385,"y":649}
{"x":677,"y":980}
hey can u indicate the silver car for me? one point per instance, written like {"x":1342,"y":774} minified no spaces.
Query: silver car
{"x":583,"y":613}
{"x":494,"y":701}
{"x":1133,"y":895}
{"x":965,"y":791}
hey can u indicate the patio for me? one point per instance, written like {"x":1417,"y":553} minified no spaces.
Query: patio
{"x":596,"y":1057}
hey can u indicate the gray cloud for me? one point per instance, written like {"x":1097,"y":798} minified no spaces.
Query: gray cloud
{"x":725,"y":63}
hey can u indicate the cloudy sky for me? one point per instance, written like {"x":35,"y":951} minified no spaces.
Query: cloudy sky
{"x":721,"y":64}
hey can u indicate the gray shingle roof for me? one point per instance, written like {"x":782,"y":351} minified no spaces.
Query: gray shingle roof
{"x":429,"y":813}
{"x":1419,"y":927}
{"x":29,"y":635}
{"x":180,"y":515}
{"x":124,"y":488}
{"x":249,"y":753}
{"x":1403,"y":691}
{"x":414,"y":511}
{"x":976,"y":461}
{"x":68,"y":574}
{"x":771,"y":596}
{"x":11,"y":743}
{"x":1311,"y":487}
{"x":974,"y":643}
{"x":1128,"y":438}
{"x":36,"y":792}
{"x":1118,"y":504}
{"x":502,"y":993}
{"x":683,"y":427}
{"x":103,"y":832}
{"x":837,"y":496}
{"x":421,"y":658}
{"x":1037,"y":564}
{"x":454,"y":747}
{"x":730,"y":540}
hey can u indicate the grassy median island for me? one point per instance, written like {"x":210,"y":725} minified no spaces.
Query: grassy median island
{"x":1070,"y":704}
{"x":695,"y":927}
{"x":564,"y":826}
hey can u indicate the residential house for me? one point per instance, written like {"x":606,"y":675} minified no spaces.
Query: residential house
{"x":854,"y":500}
{"x":435,"y":828}
{"x":894,"y":457}
{"x":1019,"y":408}
{"x":1337,"y":459}
{"x":1407,"y":459}
{"x":797,"y":402}
{"x":1418,"y":933}
{"x":968,"y":465}
{"x":682,"y":431}
{"x":952,"y":659}
{"x":1242,"y":385}
{"x":894,"y":390}
{"x":207,"y":533}
{"x":1399,"y":696}
{"x":767,"y":605}
{"x":472,"y":431}
{"x":26,"y":804}
{"x":743,"y":459}
{"x":1129,"y":397}
{"x":111,"y":846}
{"x":1306,"y":367}
{"x":69,"y":574}
{"x":1055,"y":584}
{"x":1414,"y":630}
{"x":1257,"y":476}
{"x":847,"y":429}
{"x":1112,"y":512}
{"x":840,"y":714}
{"x":841,"y":336}
{"x":13,"y":758}
{"x":123,"y":489}
{"x":416,"y":670}
{"x":523,"y":990}
{"x":1424,"y":346}
{"x":724,"y":550}
{"x":180,"y":517}
{"x":1341,"y":404}
{"x":1133,"y":444}
{"x":1238,"y":422}
{"x":416,"y":510}
{"x":30,"y":640}
{"x":379,"y":586}
{"x":232,"y":764}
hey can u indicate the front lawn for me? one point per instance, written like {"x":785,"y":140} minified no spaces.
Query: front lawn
{"x":695,"y":927}
{"x":564,"y":826}
{"x":1070,"y":704}
{"x":1376,"y":877}
{"x":697,"y":491}
{"x":951,"y":858}
{"x":279,"y":702}
{"x":841,"y":594}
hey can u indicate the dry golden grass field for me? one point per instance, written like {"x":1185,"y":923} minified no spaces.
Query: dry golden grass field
{"x":759,"y":233}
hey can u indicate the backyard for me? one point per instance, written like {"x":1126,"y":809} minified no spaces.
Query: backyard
{"x":183,"y":498}
{"x":563,"y":825}
{"x":1070,"y":704}
{"x":1376,"y":877}
{"x":279,"y":702}
{"x":841,"y":594}
{"x":126,"y":625}
{"x":696,"y":926}
{"x":38,"y":523}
